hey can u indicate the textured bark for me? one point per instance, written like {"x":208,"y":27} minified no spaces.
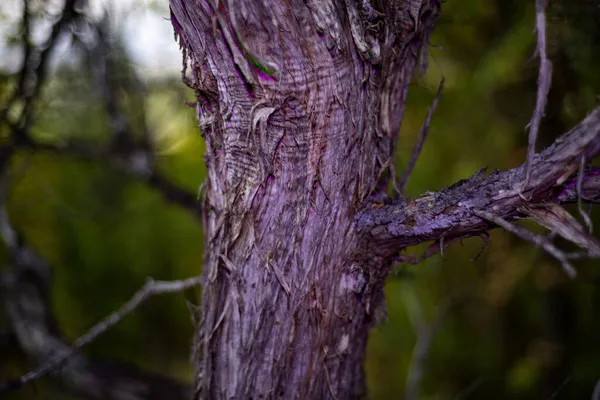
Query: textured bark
{"x":449,"y":213}
{"x":300,"y":103}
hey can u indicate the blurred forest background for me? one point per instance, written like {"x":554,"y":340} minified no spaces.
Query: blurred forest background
{"x":102,"y":161}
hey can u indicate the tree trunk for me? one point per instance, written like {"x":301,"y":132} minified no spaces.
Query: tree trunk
{"x":300,"y":103}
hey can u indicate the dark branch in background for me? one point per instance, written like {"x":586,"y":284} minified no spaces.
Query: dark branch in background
{"x":124,"y":154}
{"x":25,"y":285}
{"x":544,"y":81}
{"x":452,"y":212}
{"x":137,"y":164}
{"x":33,"y":72}
{"x":538,"y":240}
{"x":420,"y":140}
{"x":104,"y":75}
{"x":27,"y":49}
{"x":60,"y":355}
{"x":136,"y":158}
{"x":25,"y":289}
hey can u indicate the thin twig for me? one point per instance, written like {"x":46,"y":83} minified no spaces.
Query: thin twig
{"x":560,"y":222}
{"x":486,"y":238}
{"x":582,"y":212}
{"x":537,"y":240}
{"x":420,"y":140}
{"x":432,"y":250}
{"x":442,"y":242}
{"x":149,"y":289}
{"x":544,"y":81}
{"x":25,"y":294}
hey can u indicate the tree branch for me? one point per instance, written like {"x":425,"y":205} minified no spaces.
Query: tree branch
{"x":124,"y":154}
{"x":537,"y":240}
{"x":420,"y":140}
{"x":138,"y":164}
{"x":544,"y":81}
{"x":58,"y":357}
{"x":450,"y":213}
{"x":26,"y":300}
{"x":25,"y":286}
{"x":25,"y":294}
{"x":32,"y":74}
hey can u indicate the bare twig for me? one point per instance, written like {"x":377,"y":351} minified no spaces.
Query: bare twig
{"x":433,"y":249}
{"x":25,"y":288}
{"x":560,"y":222}
{"x":420,"y":140}
{"x":537,"y":240}
{"x":485,"y":237}
{"x":149,"y":289}
{"x":544,"y":81}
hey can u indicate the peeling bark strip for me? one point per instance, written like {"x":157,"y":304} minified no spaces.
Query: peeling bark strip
{"x":300,"y":103}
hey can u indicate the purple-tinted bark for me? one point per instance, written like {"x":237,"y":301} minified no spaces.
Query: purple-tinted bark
{"x":449,"y":212}
{"x":300,"y":103}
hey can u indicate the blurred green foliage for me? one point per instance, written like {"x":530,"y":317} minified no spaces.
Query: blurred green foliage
{"x":508,"y":325}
